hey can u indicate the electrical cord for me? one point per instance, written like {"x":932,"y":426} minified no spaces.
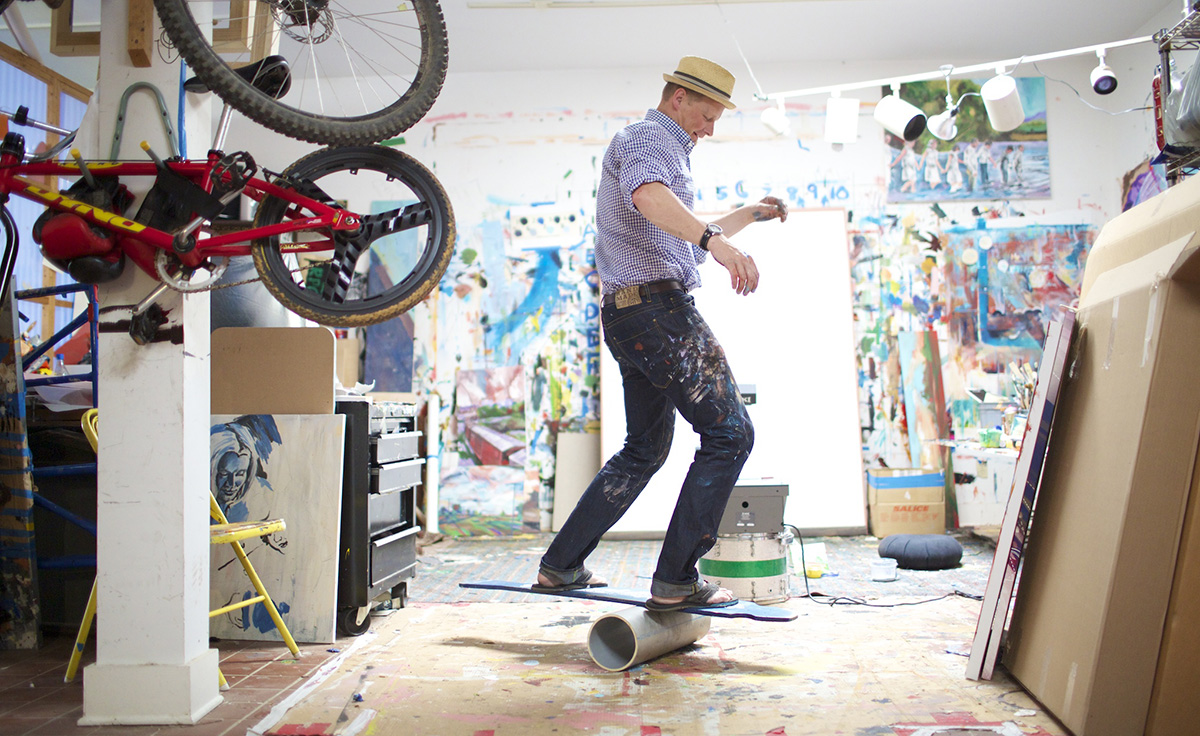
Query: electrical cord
{"x":843,"y":600}
{"x":1094,"y":107}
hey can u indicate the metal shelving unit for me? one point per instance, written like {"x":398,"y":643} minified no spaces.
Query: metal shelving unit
{"x":1183,"y":36}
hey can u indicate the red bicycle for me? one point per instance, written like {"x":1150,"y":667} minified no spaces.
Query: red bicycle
{"x":315,"y":243}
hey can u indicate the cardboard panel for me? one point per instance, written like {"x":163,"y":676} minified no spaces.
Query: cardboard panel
{"x":1162,"y":219}
{"x":1087,"y":630}
{"x":1174,"y":707}
{"x":272,"y":370}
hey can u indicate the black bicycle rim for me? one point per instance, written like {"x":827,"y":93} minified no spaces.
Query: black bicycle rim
{"x":436,"y":246}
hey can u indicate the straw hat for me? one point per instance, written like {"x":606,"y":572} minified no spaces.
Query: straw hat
{"x":706,"y":77}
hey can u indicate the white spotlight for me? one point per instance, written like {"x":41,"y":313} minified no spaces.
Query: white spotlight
{"x":775,"y":118}
{"x":841,"y":120}
{"x":1103,"y":79}
{"x":943,"y":125}
{"x":899,"y":117}
{"x":1002,"y":102}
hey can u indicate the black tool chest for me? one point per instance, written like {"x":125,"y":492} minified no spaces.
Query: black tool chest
{"x":381,"y":474}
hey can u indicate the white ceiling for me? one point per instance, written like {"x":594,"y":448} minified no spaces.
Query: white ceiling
{"x":616,"y":33}
{"x":528,"y":35}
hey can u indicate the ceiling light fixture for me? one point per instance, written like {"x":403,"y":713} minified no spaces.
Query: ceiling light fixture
{"x":1104,"y":82}
{"x":898,"y":117}
{"x":841,"y":120}
{"x":958,"y":71}
{"x":1002,"y":100}
{"x":775,"y":118}
{"x":943,"y":125}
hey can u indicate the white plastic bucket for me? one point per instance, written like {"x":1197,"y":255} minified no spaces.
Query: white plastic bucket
{"x":752,"y":566}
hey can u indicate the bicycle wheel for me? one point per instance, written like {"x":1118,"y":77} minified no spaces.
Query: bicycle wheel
{"x":363,"y":71}
{"x":397,"y":258}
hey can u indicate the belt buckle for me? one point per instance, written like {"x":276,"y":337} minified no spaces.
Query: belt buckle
{"x":630,"y":296}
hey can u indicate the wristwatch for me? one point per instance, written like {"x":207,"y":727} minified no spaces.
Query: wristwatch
{"x":709,"y":231}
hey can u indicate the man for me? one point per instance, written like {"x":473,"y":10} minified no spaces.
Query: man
{"x":648,"y":246}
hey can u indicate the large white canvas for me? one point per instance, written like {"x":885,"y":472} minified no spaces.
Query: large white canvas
{"x":290,"y":467}
{"x":794,"y":340}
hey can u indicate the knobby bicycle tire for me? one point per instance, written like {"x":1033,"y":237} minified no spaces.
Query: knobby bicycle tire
{"x":328,"y":42}
{"x":404,"y":267}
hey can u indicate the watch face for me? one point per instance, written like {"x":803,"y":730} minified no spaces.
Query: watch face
{"x":714,"y":229}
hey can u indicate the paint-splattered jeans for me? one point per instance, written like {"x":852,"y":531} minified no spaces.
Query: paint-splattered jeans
{"x":669,"y":360}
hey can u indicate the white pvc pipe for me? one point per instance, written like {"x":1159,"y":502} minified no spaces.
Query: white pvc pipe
{"x":433,"y":454}
{"x":619,"y":640}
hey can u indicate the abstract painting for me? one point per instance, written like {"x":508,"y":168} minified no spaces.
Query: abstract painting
{"x":286,"y":466}
{"x":484,"y":491}
{"x":924,"y":398}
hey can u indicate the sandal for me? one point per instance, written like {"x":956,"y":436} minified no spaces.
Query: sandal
{"x":588,"y":580}
{"x":699,"y":599}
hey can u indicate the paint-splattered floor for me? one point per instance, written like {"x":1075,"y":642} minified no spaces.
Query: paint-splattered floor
{"x":629,"y":564}
{"x":483,"y":663}
{"x":495,"y":669}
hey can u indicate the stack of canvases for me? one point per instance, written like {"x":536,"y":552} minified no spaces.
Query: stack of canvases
{"x":1106,"y":629}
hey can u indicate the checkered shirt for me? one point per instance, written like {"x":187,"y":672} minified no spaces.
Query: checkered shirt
{"x":629,"y":249}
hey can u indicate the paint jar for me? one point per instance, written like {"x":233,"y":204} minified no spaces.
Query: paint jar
{"x":883,"y":570}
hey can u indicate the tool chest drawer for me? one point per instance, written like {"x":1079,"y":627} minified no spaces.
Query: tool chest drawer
{"x":386,"y":511}
{"x":389,"y":448}
{"x":393,"y":555}
{"x":395,"y":476}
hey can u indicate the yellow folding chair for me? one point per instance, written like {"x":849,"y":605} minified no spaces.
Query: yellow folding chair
{"x":221,"y":532}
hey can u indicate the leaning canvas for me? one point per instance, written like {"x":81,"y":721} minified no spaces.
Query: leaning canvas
{"x":285,"y":466}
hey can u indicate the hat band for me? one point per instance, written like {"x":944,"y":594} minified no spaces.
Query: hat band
{"x":702,"y":83}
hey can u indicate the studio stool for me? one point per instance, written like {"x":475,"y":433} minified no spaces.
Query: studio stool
{"x":222,"y":531}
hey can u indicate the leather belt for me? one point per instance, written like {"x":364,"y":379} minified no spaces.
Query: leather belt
{"x":644,"y":290}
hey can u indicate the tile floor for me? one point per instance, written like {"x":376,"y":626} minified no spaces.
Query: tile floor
{"x":35,"y":700}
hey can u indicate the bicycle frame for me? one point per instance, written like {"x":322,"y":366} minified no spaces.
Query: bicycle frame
{"x":141,"y":242}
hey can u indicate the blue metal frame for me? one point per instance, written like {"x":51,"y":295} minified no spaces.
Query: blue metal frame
{"x":89,"y":316}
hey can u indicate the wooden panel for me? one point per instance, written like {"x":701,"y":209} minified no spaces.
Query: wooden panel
{"x":272,"y":370}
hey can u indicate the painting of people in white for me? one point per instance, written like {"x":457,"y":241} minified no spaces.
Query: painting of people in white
{"x":978,"y":162}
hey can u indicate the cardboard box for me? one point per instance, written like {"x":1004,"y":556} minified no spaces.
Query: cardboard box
{"x":1109,"y":563}
{"x":906,"y":501}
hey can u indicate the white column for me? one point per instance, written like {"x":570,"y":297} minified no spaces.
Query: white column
{"x":154,"y":664}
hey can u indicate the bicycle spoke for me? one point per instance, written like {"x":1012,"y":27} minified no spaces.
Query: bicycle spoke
{"x":378,"y":271}
{"x":363,"y":71}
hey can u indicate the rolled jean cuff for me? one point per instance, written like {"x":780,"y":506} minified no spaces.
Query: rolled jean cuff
{"x":672,"y":590}
{"x":562,"y":577}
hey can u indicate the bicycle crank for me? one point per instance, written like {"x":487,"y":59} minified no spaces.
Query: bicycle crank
{"x":173,"y":274}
